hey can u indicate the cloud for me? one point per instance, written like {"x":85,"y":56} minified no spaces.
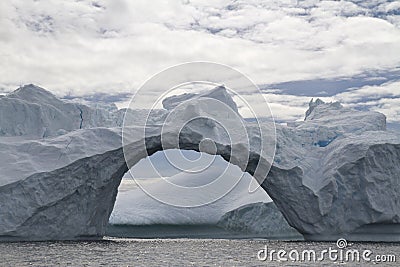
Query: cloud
{"x":384,"y":98}
{"x":90,"y":47}
{"x":387,"y":90}
{"x":83,"y":47}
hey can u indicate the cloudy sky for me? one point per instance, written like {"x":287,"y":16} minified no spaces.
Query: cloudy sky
{"x":294,"y":50}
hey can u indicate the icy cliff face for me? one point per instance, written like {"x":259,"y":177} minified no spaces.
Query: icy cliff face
{"x":260,"y":218}
{"x":341,"y":162}
{"x":333,"y":175}
{"x":21,"y":158}
{"x":73,"y":202}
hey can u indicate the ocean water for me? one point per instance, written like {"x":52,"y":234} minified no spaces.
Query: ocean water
{"x":184,"y":231}
{"x":177,"y":252}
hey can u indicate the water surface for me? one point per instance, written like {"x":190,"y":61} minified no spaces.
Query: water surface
{"x":169,"y":252}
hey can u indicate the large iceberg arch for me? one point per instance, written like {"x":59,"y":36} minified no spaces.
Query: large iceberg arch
{"x":348,"y":187}
{"x":75,"y":201}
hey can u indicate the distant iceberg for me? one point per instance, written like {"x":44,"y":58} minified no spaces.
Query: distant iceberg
{"x":31,"y":111}
{"x":259,"y":218}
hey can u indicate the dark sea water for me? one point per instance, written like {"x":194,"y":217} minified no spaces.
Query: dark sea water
{"x":200,"y":251}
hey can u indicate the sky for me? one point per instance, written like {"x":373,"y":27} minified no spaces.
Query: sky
{"x":344,"y":51}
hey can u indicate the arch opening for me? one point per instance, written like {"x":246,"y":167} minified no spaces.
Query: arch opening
{"x":137,"y":214}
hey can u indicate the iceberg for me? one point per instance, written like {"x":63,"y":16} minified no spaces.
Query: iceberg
{"x":343,"y":187}
{"x":259,"y":218}
{"x":335,"y":174}
{"x":31,"y":111}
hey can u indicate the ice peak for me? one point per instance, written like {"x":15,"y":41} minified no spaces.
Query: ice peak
{"x":320,"y":105}
{"x":31,"y":88}
{"x":219,"y":93}
{"x":34,"y":94}
{"x":312,"y":105}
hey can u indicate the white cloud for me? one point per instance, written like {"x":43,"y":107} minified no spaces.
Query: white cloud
{"x":384,"y":98}
{"x":387,"y":90}
{"x":81,"y":47}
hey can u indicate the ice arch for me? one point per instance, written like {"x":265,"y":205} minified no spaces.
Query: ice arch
{"x":349,"y":184}
{"x":75,"y":202}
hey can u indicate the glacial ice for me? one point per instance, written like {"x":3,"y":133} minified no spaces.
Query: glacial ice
{"x":335,"y":190}
{"x":32,"y":111}
{"x":60,"y":182}
{"x":259,"y":218}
